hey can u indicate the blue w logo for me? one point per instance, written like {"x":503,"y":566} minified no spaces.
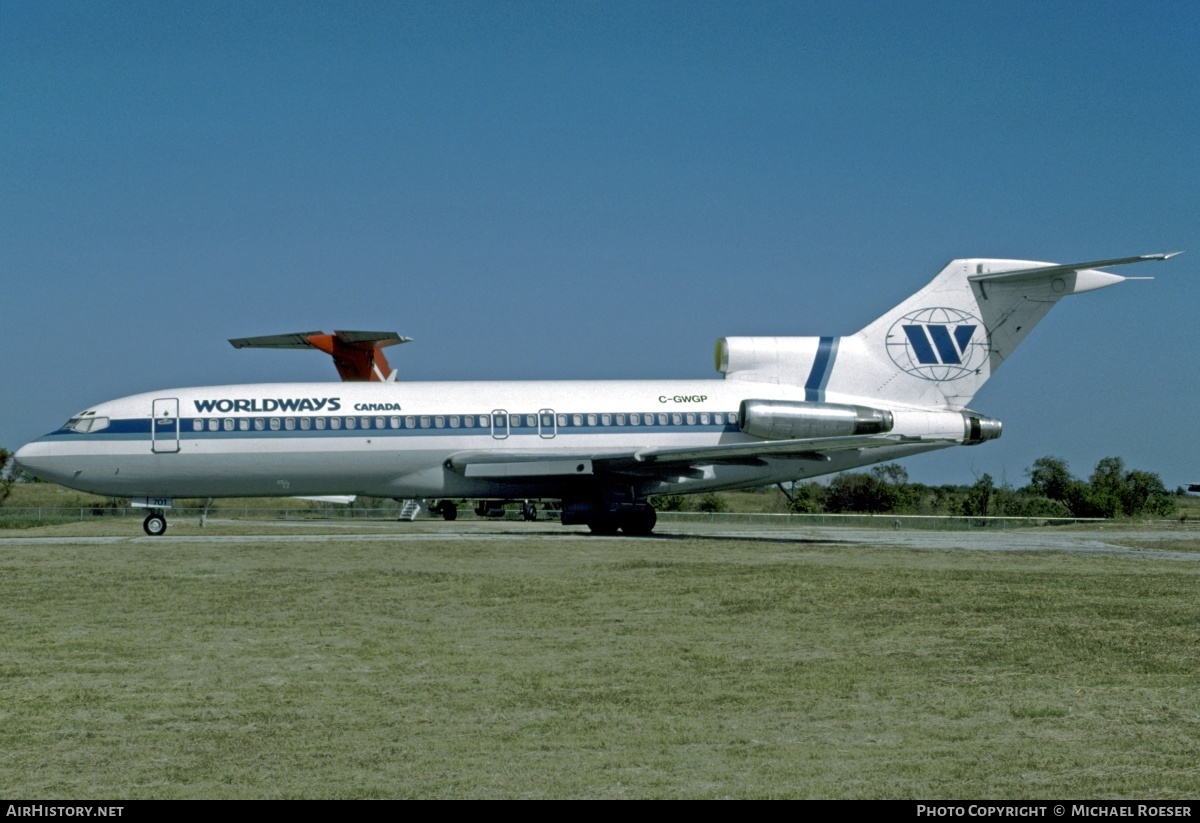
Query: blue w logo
{"x":934,"y":344}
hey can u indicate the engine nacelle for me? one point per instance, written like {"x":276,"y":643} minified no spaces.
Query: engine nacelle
{"x":792,"y":420}
{"x":978,"y":428}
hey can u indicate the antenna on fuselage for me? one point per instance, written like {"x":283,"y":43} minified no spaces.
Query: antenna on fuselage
{"x":357,"y":355}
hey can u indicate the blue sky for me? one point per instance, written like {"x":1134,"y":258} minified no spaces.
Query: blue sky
{"x":597,"y":190}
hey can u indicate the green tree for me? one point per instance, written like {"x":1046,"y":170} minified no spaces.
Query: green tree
{"x":1144,"y":493}
{"x":808,"y":498}
{"x":1049,"y":478}
{"x":7,"y":476}
{"x":668,"y":502}
{"x":975,"y":504}
{"x":859,"y":493}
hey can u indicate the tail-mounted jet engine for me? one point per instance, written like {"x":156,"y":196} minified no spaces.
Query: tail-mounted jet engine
{"x":794,"y":420}
{"x":977,"y":428}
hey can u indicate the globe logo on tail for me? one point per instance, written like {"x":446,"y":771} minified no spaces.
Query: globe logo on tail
{"x":938,"y":344}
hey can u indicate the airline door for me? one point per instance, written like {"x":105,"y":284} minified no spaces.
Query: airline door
{"x":499,"y":424}
{"x":547,"y":424}
{"x":164,"y":425}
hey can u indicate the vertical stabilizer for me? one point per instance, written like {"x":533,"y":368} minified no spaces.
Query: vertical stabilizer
{"x":938,"y":347}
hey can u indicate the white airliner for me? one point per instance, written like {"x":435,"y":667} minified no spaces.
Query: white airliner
{"x":788,"y":408}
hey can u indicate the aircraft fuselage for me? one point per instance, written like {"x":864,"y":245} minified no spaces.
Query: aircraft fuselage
{"x":394,"y":439}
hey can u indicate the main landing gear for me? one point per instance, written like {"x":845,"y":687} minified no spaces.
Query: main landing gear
{"x":634,"y":518}
{"x":155,"y":523}
{"x":637,"y":521}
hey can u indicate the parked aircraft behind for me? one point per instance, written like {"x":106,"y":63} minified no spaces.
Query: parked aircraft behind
{"x":787,"y":408}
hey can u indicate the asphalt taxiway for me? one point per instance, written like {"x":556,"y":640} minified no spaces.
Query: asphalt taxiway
{"x":1117,"y":541}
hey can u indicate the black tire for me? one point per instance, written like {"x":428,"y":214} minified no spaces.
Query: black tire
{"x":155,"y":525}
{"x":449,"y":510}
{"x":607,"y":525}
{"x":639,"y":523}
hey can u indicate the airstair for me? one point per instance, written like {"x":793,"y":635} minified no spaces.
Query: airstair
{"x":411,"y":509}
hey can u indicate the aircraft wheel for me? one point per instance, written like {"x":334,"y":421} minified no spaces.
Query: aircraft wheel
{"x":449,"y":510}
{"x":640,"y":523}
{"x":606,"y":525}
{"x":529,"y":511}
{"x":155,"y":525}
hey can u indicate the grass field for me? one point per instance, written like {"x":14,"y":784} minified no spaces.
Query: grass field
{"x":544,"y":664}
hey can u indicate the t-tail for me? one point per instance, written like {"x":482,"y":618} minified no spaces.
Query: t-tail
{"x":938,"y":347}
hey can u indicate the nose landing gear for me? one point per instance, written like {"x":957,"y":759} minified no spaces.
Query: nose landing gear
{"x":155,"y":523}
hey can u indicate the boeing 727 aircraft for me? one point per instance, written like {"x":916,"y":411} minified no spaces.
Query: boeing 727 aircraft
{"x":787,"y":408}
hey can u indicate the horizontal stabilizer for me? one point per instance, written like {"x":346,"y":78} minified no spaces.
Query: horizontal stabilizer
{"x":303,"y":340}
{"x":299,"y":340}
{"x":1064,"y":268}
{"x":356,"y":354}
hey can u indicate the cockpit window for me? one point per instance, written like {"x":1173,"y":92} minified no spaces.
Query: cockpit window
{"x":85,"y":423}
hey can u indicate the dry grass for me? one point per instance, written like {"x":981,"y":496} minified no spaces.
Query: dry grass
{"x":550,"y":665}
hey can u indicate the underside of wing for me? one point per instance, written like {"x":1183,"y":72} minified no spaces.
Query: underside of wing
{"x":653,"y":461}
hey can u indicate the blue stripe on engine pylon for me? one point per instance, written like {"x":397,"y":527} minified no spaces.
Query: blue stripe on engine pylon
{"x":822,"y":368}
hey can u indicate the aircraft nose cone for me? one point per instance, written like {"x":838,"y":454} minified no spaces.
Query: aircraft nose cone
{"x":30,"y":458}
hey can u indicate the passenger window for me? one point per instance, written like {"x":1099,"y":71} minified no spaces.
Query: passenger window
{"x":676,"y":418}
{"x":351,"y":423}
{"x":454,"y":421}
{"x":691,"y":418}
{"x":439,"y":422}
{"x":227,"y":424}
{"x":577,"y":420}
{"x":662,"y":419}
{"x":305,"y":423}
{"x":591,"y":419}
{"x":424,"y":421}
{"x":562,"y":421}
{"x":366,"y":422}
{"x":197,"y":425}
{"x":335,"y":422}
{"x":547,"y":421}
{"x":214,"y":424}
{"x":289,"y":423}
{"x":606,"y":420}
{"x":319,"y":422}
{"x":635,"y":419}
{"x":620,"y":420}
{"x":244,"y":424}
{"x":394,"y":422}
{"x":733,"y":418}
{"x":719,"y":419}
{"x":410,"y":422}
{"x":259,"y":424}
{"x":514,"y":420}
{"x":274,"y":424}
{"x":704,"y":418}
{"x":469,"y":421}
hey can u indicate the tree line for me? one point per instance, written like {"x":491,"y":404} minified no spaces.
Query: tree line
{"x":1052,"y":491}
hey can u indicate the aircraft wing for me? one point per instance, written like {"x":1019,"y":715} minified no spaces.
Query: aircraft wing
{"x":654,"y":461}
